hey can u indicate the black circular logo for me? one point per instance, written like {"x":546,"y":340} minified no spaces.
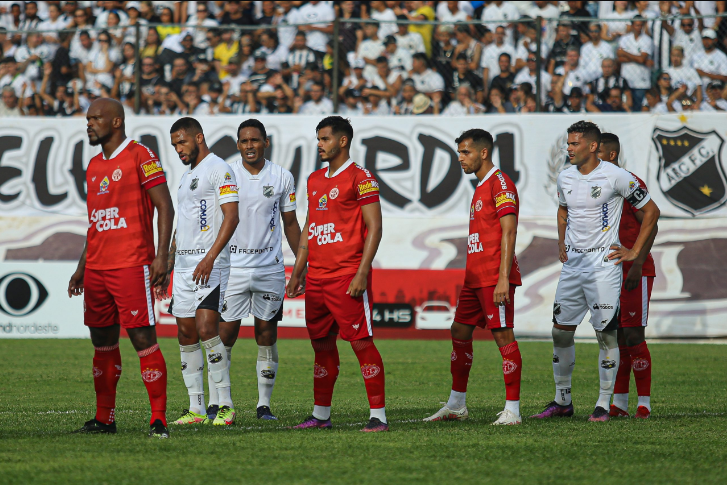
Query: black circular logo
{"x":21,"y":294}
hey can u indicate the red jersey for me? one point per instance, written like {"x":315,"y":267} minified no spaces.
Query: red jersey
{"x":336,"y":228}
{"x":628,"y":233}
{"x":495,"y":197}
{"x":120,"y":212}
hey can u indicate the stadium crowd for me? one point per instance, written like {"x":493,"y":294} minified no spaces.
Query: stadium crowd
{"x":218,"y":57}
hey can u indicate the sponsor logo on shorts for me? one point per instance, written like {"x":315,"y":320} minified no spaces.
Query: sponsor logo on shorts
{"x":267,"y":374}
{"x":489,"y":317}
{"x":608,"y":363}
{"x":228,"y":189}
{"x":508,"y":367}
{"x":116,"y":176}
{"x":453,"y":357}
{"x":268,"y":191}
{"x":556,"y":308}
{"x":369,"y":371}
{"x":224,"y":306}
{"x":96,"y":371}
{"x":214,"y":357}
{"x":182,"y":252}
{"x":356,"y":326}
{"x":151,"y":375}
{"x":556,"y":359}
{"x":368,"y":187}
{"x":269,"y":297}
{"x":236,"y":250}
{"x":602,"y":306}
{"x":505,"y":198}
{"x":203,"y":215}
{"x":151,"y":167}
{"x":632,"y":313}
{"x":103,"y":187}
{"x":333,"y":193}
{"x":604,"y":218}
{"x":134,"y":312}
{"x":596,"y":192}
{"x":319,"y":372}
{"x":639,"y":364}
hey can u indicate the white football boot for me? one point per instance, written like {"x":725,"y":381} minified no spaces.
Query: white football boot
{"x":446,"y":414}
{"x":507,"y":417}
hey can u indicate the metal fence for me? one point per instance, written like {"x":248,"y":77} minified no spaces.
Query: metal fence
{"x":377,"y":67}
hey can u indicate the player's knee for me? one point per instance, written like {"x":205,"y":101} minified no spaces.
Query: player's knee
{"x":460,"y":331}
{"x":634,"y":336}
{"x":607,"y":339}
{"x":364,"y":343}
{"x":563,"y":338}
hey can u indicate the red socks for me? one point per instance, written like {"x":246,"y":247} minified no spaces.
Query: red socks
{"x":512,"y":365}
{"x":372,"y":369}
{"x":624,"y":371}
{"x":106,"y":374}
{"x":641,"y":363}
{"x":325,"y":370}
{"x":461,"y":364}
{"x":154,"y":375}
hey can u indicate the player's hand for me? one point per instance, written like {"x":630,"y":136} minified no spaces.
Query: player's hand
{"x":633,"y":278}
{"x":295,"y":286}
{"x":160,"y":290}
{"x":502,"y":292}
{"x":562,"y":252}
{"x":158,"y":271}
{"x":202,"y":272}
{"x":75,"y":286}
{"x":623,"y":254}
{"x":357,"y":286}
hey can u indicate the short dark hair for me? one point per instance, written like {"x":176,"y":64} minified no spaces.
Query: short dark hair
{"x":464,"y":29}
{"x":612,"y":141}
{"x":252,"y":123}
{"x":422,"y":57}
{"x":461,"y":56}
{"x":587,"y":129}
{"x":478,"y":137}
{"x":505,"y":54}
{"x":190,"y":125}
{"x":338,"y":126}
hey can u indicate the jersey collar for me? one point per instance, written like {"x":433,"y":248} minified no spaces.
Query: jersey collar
{"x":489,"y":174}
{"x":343,"y":167}
{"x":251,"y":176}
{"x":118,"y":150}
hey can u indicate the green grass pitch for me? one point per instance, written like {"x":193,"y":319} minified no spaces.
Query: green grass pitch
{"x":46,"y":390}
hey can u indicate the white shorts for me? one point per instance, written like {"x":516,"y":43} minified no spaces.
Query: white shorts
{"x":188,"y":297}
{"x":256,"y":291}
{"x":597,"y":291}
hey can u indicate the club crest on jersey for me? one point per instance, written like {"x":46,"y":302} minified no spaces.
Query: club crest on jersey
{"x":194,"y":184}
{"x":323,"y":203}
{"x":116,"y":176}
{"x":596,"y":192}
{"x":478,"y":205}
{"x":268,"y":191}
{"x":104,"y":186}
{"x":690,"y":169}
{"x":333,"y":193}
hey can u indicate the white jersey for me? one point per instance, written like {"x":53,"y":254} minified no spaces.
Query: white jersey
{"x":258,"y":240}
{"x":202,"y":191}
{"x":594,"y":203}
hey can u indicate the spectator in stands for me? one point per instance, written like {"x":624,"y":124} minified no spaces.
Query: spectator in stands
{"x":276,"y":53}
{"x":425,"y":80}
{"x":190,"y":52}
{"x":528,"y":45}
{"x":312,"y":74}
{"x":13,"y":21}
{"x":282,"y":103}
{"x":199,"y":23}
{"x":453,"y":12}
{"x":226,"y":50}
{"x":683,"y":74}
{"x":409,"y":40}
{"x":712,"y":63}
{"x":563,"y":41}
{"x":133,"y":10}
{"x":66,"y":101}
{"x":634,"y":54}
{"x":421,"y":12}
{"x":664,"y":86}
{"x":570,"y":103}
{"x":505,"y":79}
{"x":54,"y":22}
{"x":355,"y":80}
{"x":464,"y":104}
{"x":530,"y":105}
{"x":405,"y":102}
{"x":103,"y":56}
{"x":506,"y":12}
{"x":152,"y":47}
{"x":300,"y":55}
{"x":467,"y":45}
{"x":498,"y":103}
{"x":31,"y":56}
{"x":398,"y":57}
{"x":463,"y":76}
{"x":317,"y":105}
{"x":10,"y":105}
{"x":371,"y":48}
{"x":148,"y":13}
{"x":351,"y":105}
{"x":596,"y":50}
{"x":601,"y":87}
{"x":613,"y":104}
{"x":170,"y":102}
{"x":714,"y":100}
{"x":62,"y":72}
{"x":167,"y":17}
{"x":579,"y":28}
{"x":386,"y":83}
{"x":150,"y":78}
{"x":386,"y":18}
{"x":193,"y":102}
{"x":351,"y":33}
{"x":574,"y":74}
{"x":442,"y":50}
{"x":31,"y":20}
{"x":235,"y":14}
{"x":268,"y":14}
{"x":421,"y":105}
{"x":686,"y":36}
{"x":654,"y":103}
{"x":528,"y":74}
{"x":680,"y":101}
{"x":375,"y":104}
{"x":180,"y":76}
{"x":204,"y":72}
{"x":260,"y":70}
{"x":491,"y":55}
{"x":613,"y":31}
{"x":124,"y":74}
{"x":319,"y":17}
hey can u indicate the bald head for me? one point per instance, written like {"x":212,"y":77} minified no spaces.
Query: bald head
{"x":110,"y":107}
{"x":105,"y":123}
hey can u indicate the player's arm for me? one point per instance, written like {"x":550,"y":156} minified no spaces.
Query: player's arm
{"x":160,"y":291}
{"x":227,"y":229}
{"x":634,"y":275}
{"x":508,"y":223}
{"x":648,"y":225}
{"x":159,"y":195}
{"x":295,"y":286}
{"x":372,"y":218}
{"x":562,"y":225}
{"x":291,"y":229}
{"x":75,"y":285}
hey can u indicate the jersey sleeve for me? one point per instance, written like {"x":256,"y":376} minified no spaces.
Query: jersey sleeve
{"x":223,"y":180}
{"x":503,"y":195}
{"x":287,"y":199}
{"x":561,"y":195}
{"x":367,"y":188}
{"x":150,"y":168}
{"x":630,"y":189}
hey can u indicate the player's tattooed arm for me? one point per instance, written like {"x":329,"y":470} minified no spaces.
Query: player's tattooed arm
{"x":562,"y":225}
{"x":172,"y":253}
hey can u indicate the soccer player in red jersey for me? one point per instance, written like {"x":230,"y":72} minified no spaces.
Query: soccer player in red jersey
{"x":339,"y":241}
{"x":118,"y":267}
{"x":638,"y":280}
{"x":487,"y":299}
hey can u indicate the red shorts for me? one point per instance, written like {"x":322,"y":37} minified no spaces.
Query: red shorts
{"x":476,"y":303}
{"x":118,"y":296}
{"x":328,"y":309}
{"x":635,"y":303}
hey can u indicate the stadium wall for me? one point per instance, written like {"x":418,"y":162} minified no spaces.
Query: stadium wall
{"x":425,"y":200}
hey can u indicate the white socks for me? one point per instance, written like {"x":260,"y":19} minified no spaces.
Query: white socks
{"x":322,"y":412}
{"x":564,"y":360}
{"x":214,"y":400}
{"x":457,"y":400}
{"x":219,"y":369}
{"x":513,"y":406}
{"x":645,"y":401}
{"x":192,"y":368}
{"x":267,"y":371}
{"x":621,"y":401}
{"x":608,"y":360}
{"x":379,"y":413}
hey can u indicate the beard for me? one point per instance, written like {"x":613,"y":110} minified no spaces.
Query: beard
{"x":99,"y":140}
{"x":192,"y":157}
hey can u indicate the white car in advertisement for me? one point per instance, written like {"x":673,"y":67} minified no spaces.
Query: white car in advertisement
{"x":434,"y":315}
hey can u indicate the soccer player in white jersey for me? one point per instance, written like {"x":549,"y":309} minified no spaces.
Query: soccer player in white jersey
{"x":591,"y":194}
{"x":257,"y":274}
{"x":207,"y":218}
